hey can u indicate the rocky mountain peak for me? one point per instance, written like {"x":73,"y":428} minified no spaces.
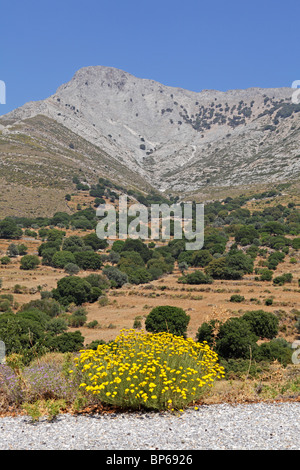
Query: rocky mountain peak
{"x":178,"y":139}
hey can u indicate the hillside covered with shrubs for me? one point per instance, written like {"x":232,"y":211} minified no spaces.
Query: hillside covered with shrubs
{"x":238,"y":242}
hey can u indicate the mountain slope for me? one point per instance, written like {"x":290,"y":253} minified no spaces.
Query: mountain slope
{"x":147,"y":134}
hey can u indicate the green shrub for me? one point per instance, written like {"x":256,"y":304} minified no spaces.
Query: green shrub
{"x":278,"y":349}
{"x":77,"y":318}
{"x":98,"y":280}
{"x":137,"y":324}
{"x":56,"y":326}
{"x":72,"y":289}
{"x":201,"y":258}
{"x":72,"y":269}
{"x":117,"y":277}
{"x":168,"y":319}
{"x":88,"y":260}
{"x":206,"y":334}
{"x":20,"y":334}
{"x":197,"y":277}
{"x":10,"y":230}
{"x":138,"y":275}
{"x":73,"y":243}
{"x":12,"y":250}
{"x":62,"y":258}
{"x":263,"y":324}
{"x":94,"y":242}
{"x":246,"y":234}
{"x":296,"y":243}
{"x":266,"y":274}
{"x":29,"y":262}
{"x":66,"y":342}
{"x":237,"y":298}
{"x":281,"y":280}
{"x":92,"y":324}
{"x":236,"y":339}
{"x":47,"y":305}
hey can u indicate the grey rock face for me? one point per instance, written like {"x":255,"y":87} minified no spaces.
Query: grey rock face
{"x":174,"y":138}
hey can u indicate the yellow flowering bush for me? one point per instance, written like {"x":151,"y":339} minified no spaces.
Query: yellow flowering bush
{"x":153,"y":371}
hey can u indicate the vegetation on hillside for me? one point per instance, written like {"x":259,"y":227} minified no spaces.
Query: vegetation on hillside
{"x":238,"y":243}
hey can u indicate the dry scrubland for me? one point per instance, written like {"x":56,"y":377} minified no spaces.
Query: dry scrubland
{"x":202,"y":302}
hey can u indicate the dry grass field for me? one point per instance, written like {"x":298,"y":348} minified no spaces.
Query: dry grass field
{"x":201,"y":302}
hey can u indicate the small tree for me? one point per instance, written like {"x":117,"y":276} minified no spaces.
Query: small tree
{"x":71,"y":269}
{"x":72,"y":289}
{"x":88,"y":260}
{"x":29,"y":262}
{"x":12,"y":250}
{"x":266,"y":274}
{"x":236,"y":339}
{"x":117,"y":277}
{"x":169,"y":319}
{"x":62,"y":258}
{"x":263,"y":324}
{"x":197,"y":277}
{"x":10,"y":230}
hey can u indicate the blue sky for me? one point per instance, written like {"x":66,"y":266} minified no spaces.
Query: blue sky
{"x":190,"y":44}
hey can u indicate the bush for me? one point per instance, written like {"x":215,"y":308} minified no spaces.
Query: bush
{"x":218,"y":269}
{"x":62,"y":258}
{"x":246,"y":234}
{"x":72,"y":289}
{"x":12,"y":250}
{"x":10,"y":230}
{"x":66,"y":342}
{"x":73,"y":243}
{"x":138,"y":246}
{"x":201,"y":258}
{"x":95,"y":242}
{"x":206,"y":334}
{"x":88,"y":260}
{"x":296,"y":243}
{"x":274,"y":259}
{"x":29,"y":262}
{"x":169,"y":319}
{"x":266,"y":275}
{"x":47,"y":305}
{"x":117,"y":277}
{"x":78,"y":318}
{"x":138,"y":275}
{"x":237,"y":298}
{"x":277,"y":349}
{"x":197,"y":277}
{"x":184,"y":367}
{"x":72,"y":269}
{"x":281,"y":280}
{"x":238,"y":261}
{"x":236,"y":339}
{"x":20,"y":334}
{"x":263,"y":324}
{"x":56,"y":326}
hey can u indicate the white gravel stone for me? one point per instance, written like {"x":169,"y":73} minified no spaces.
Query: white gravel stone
{"x":260,"y":426}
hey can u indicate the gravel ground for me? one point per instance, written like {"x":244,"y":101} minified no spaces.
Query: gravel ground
{"x":260,"y":426}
